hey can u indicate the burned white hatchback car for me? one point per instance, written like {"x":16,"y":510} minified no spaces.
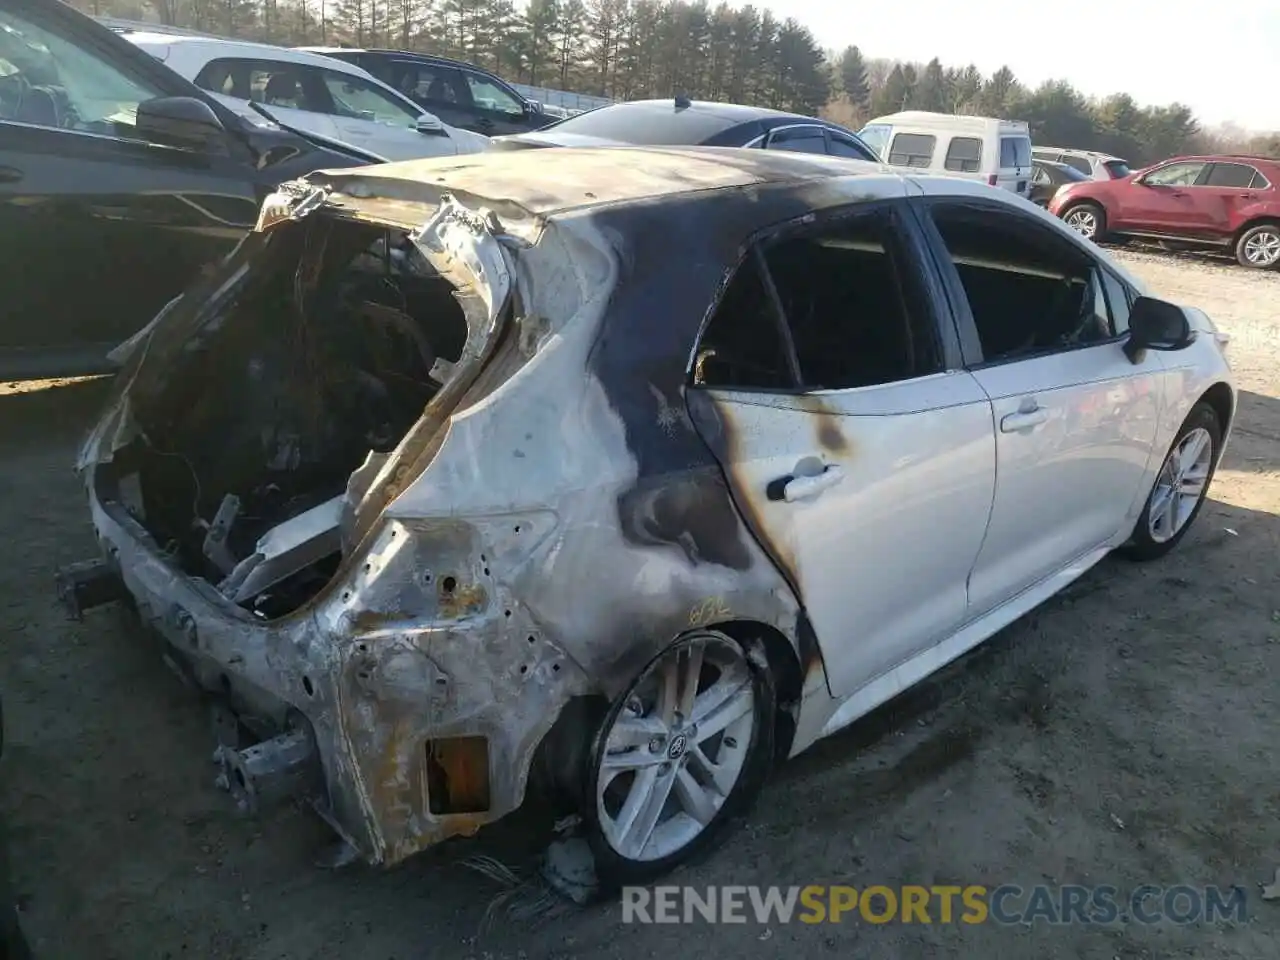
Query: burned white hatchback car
{"x":629,"y":472}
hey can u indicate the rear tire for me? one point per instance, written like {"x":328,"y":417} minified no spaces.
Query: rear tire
{"x":1180,"y":488}
{"x":1259,"y":247}
{"x":1087,"y":219}
{"x":672,"y":764}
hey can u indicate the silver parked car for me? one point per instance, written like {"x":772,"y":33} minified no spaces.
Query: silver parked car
{"x":630,"y":473}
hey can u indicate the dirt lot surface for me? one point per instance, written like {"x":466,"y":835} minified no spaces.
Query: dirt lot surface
{"x":1126,"y":733}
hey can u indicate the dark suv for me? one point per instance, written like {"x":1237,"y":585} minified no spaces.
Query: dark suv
{"x":461,"y":94}
{"x":119,"y":181}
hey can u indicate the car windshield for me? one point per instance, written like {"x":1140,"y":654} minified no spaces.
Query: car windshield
{"x":1117,"y":168}
{"x":875,"y":136}
{"x":642,"y":123}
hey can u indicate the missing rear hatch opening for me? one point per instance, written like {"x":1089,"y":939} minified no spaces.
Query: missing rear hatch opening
{"x":330,"y":351}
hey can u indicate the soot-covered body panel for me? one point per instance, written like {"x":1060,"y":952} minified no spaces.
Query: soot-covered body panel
{"x":553,"y":520}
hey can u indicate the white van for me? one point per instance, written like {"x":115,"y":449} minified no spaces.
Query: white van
{"x":996,"y":152}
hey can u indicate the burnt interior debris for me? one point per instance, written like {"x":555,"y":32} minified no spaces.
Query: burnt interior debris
{"x":329,"y":351}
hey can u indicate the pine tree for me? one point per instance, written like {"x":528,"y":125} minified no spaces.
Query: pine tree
{"x":896,"y":92}
{"x":931,"y":91}
{"x":998,"y":93}
{"x":853,"y":78}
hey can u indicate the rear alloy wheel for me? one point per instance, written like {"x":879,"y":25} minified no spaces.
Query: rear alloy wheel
{"x":1086,"y":219}
{"x":1181,"y":486}
{"x":1259,"y":246}
{"x":679,"y":754}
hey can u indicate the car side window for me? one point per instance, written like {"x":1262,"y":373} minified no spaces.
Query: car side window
{"x":912,"y":149}
{"x":1119,"y":300}
{"x":47,"y":80}
{"x":1182,"y":174}
{"x":798,"y":140}
{"x":1015,"y":152}
{"x":431,"y":84}
{"x":1238,"y":175}
{"x":269,"y":82}
{"x":359,"y":99}
{"x":964,"y":155}
{"x":851,"y":308}
{"x":1039,"y":174}
{"x":839,"y":146}
{"x":487,"y":95}
{"x":1030,"y":291}
{"x":1077,"y":162}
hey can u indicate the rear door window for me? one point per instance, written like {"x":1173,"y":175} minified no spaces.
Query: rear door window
{"x":1117,"y":168}
{"x":1077,"y":162}
{"x":1237,"y":175}
{"x":431,"y":84}
{"x":912,"y":149}
{"x":799,"y":140}
{"x":268,"y":82}
{"x":964,"y":155}
{"x":840,"y":146}
{"x":1015,"y":152}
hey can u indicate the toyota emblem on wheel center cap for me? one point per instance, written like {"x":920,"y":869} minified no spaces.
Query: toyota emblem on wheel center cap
{"x":675,"y":749}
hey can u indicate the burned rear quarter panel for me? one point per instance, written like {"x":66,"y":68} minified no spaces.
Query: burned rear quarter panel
{"x":640,"y":539}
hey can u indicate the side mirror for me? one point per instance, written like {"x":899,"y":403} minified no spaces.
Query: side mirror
{"x":182,"y":122}
{"x":1156,"y":325}
{"x":533,"y":106}
{"x":430,"y":126}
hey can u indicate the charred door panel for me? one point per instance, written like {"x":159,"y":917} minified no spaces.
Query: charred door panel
{"x":873,"y":501}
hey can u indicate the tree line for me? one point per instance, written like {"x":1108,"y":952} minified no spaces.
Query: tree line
{"x":633,"y":49}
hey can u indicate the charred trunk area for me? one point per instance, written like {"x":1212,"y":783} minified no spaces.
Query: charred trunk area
{"x":329,"y":349}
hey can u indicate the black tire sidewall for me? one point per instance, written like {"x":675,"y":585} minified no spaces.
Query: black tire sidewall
{"x":1244,"y":238}
{"x":1141,"y":546}
{"x":614,"y":871}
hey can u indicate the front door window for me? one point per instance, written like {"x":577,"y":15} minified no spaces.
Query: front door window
{"x":47,"y":80}
{"x":1183,"y":174}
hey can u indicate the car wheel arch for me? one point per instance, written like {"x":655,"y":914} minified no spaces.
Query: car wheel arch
{"x":558,"y":762}
{"x":1222,"y":399}
{"x":1262,"y":221}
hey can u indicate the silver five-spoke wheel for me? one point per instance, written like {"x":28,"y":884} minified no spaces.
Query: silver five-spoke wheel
{"x":1180,"y":485}
{"x":673,"y":754}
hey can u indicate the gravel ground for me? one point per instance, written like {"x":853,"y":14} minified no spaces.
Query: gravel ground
{"x":1123,"y":734}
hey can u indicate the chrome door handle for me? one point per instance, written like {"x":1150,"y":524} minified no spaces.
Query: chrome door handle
{"x":1023,"y":420}
{"x":804,"y":488}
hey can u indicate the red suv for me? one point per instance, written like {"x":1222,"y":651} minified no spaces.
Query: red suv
{"x":1230,"y":202}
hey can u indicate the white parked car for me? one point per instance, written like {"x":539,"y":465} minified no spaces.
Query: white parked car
{"x":986,"y":149}
{"x":1094,"y":165}
{"x":313,"y":92}
{"x":631,"y":472}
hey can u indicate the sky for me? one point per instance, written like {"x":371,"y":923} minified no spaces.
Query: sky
{"x":1219,"y":58}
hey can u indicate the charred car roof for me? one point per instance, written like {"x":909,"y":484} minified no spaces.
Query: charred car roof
{"x":585,"y":177}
